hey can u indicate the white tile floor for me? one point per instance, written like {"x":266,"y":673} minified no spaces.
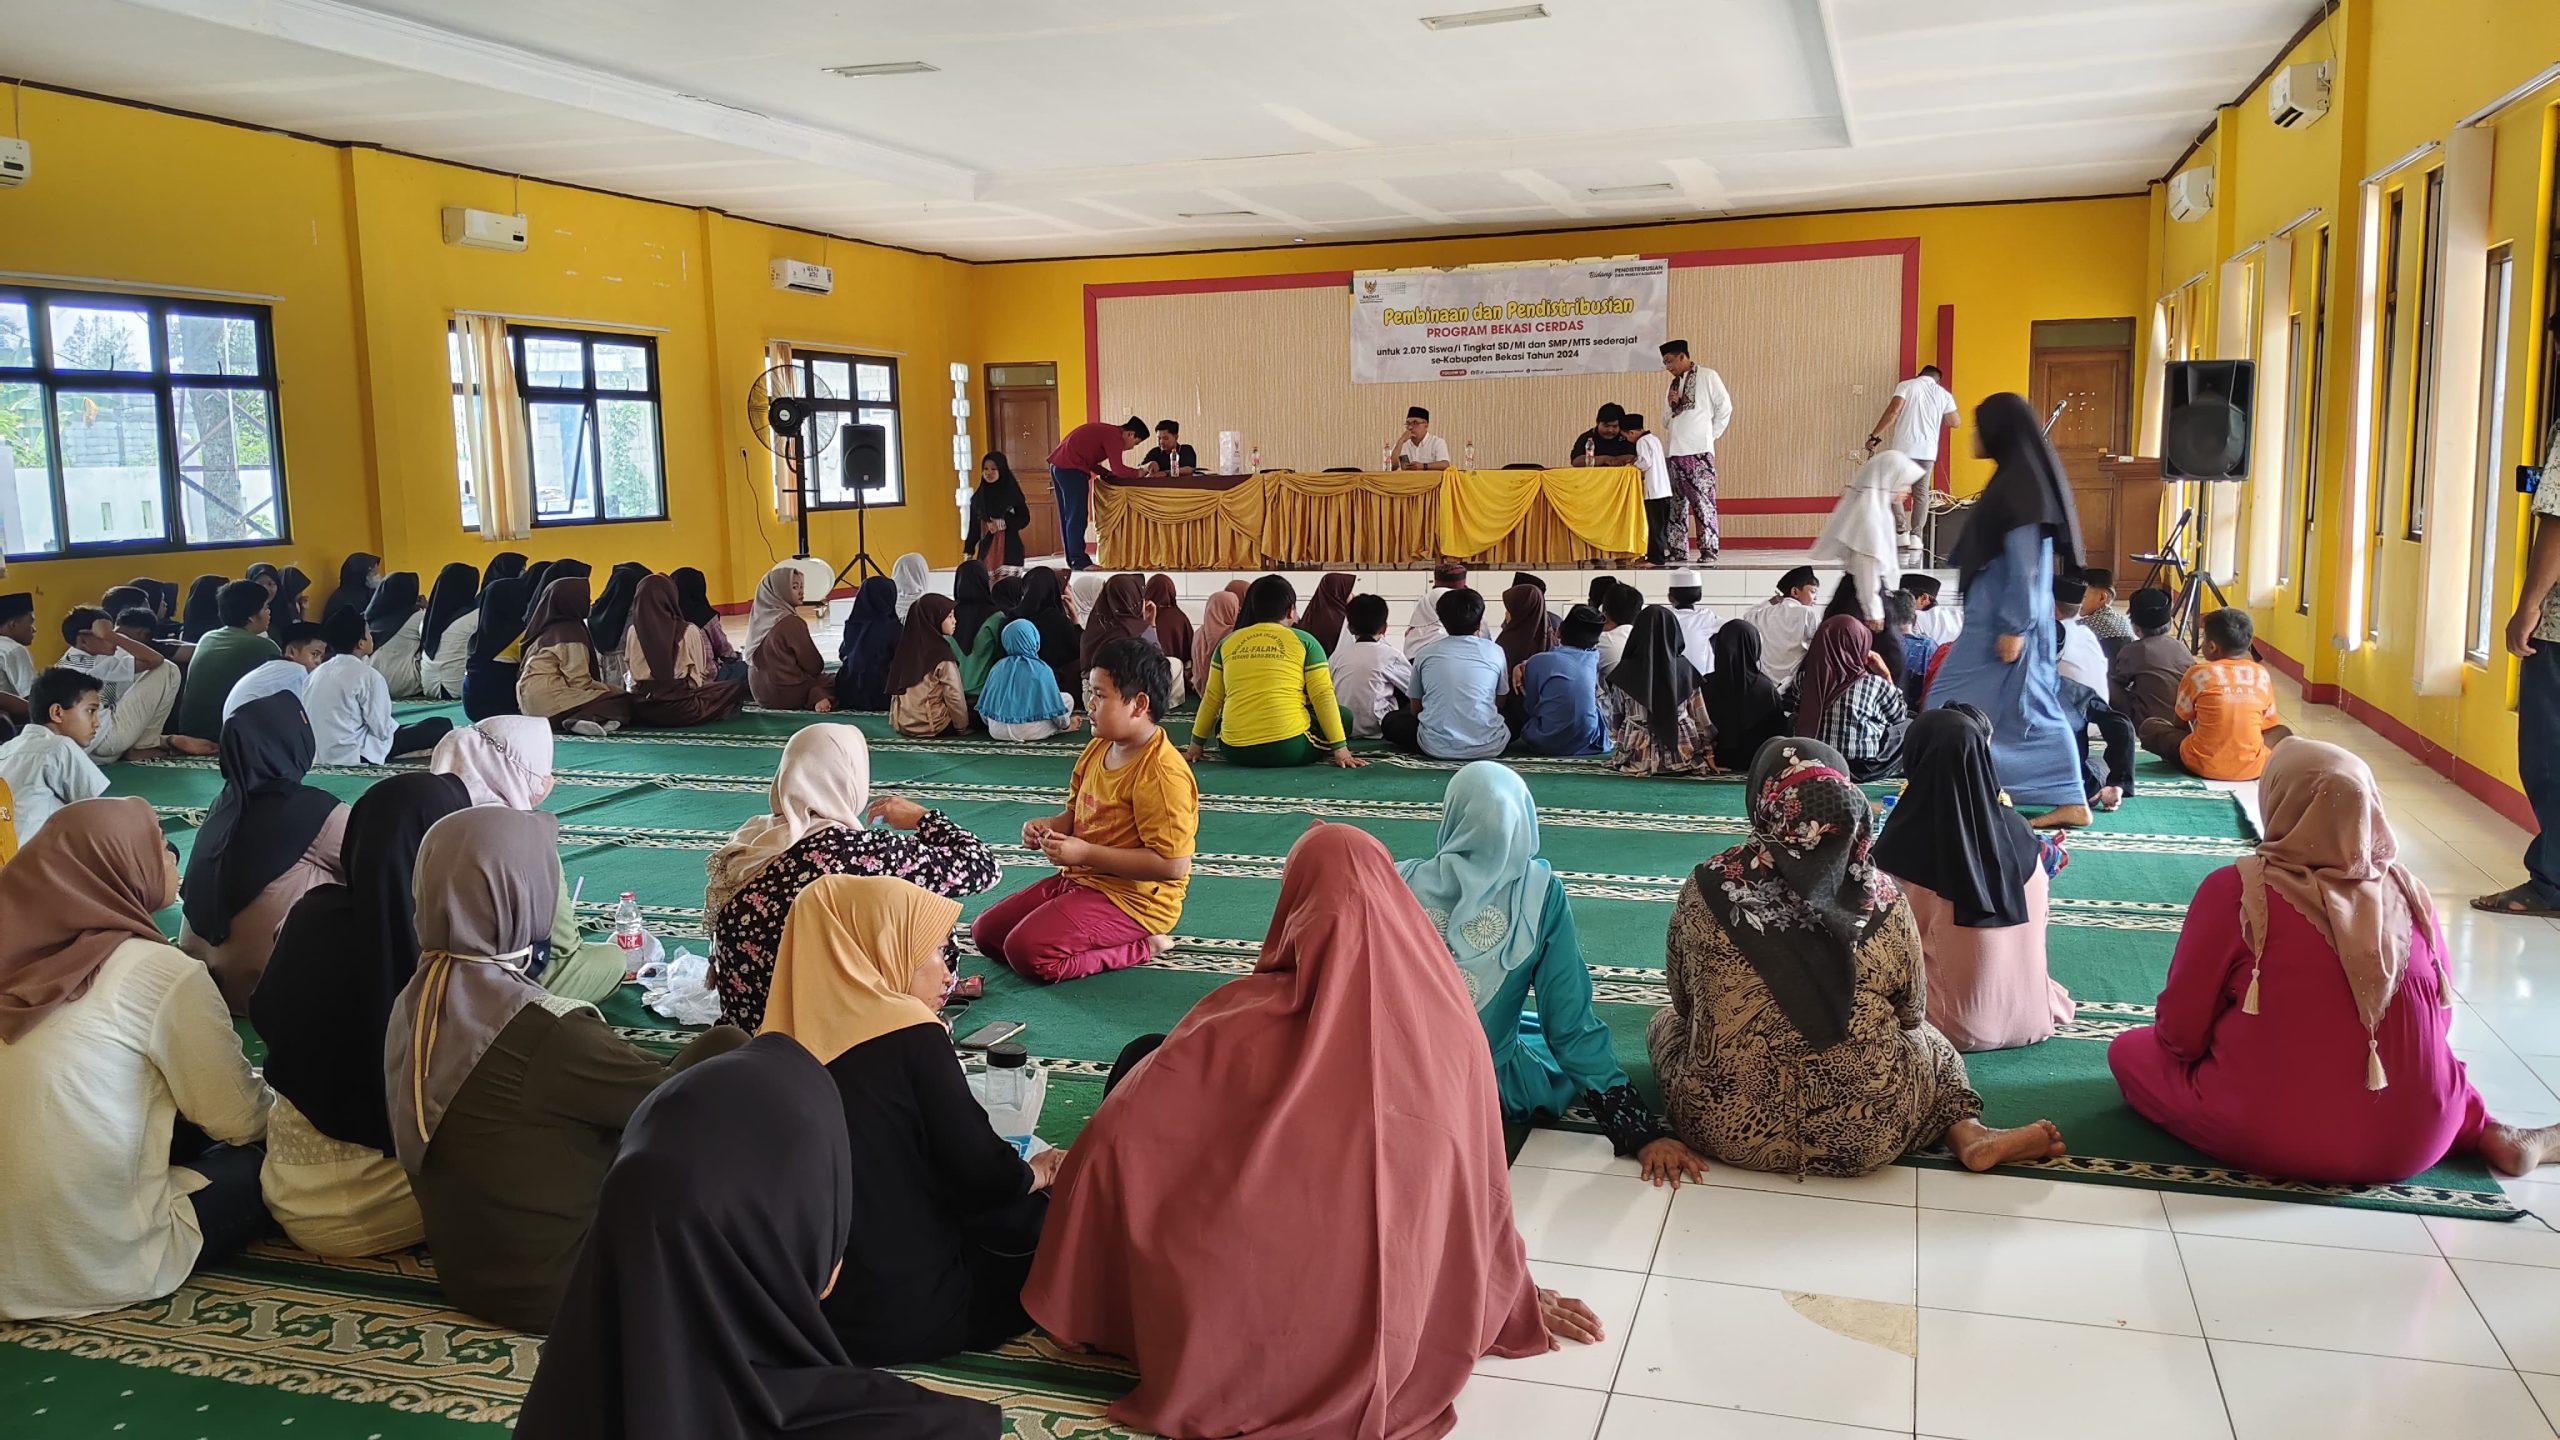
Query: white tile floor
{"x":1967,"y":1307}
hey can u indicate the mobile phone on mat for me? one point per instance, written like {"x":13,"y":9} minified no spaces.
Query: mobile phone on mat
{"x":989,"y":1035}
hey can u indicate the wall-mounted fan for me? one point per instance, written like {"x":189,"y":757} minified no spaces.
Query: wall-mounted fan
{"x":787,"y":422}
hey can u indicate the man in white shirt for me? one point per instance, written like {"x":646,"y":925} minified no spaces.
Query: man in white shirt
{"x":47,"y":766}
{"x":1421,"y":449}
{"x":1695,"y":415}
{"x":1915,"y":415}
{"x":17,"y":664}
{"x":1938,"y":624}
{"x":2084,"y":657}
{"x":1370,"y":676}
{"x":1423,"y":626}
{"x":350,"y":703}
{"x":139,"y":685}
{"x":1786,"y":622}
{"x":1654,"y":468}
{"x":1698,"y":624}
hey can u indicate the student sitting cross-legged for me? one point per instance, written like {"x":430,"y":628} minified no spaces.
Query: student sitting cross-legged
{"x":1122,"y":846}
{"x":1267,"y":698}
{"x":1371,"y":678}
{"x":925,"y":698}
{"x":2226,"y":708}
{"x":1458,"y":684}
{"x":1021,"y":700}
{"x":46,"y":766}
{"x":350,"y":703}
{"x":1560,"y":692}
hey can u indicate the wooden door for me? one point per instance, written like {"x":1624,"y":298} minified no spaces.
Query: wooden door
{"x":2096,"y":422}
{"x":1022,"y":421}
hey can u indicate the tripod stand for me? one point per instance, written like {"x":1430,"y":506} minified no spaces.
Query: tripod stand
{"x":861,"y":566}
{"x":2191,"y":585}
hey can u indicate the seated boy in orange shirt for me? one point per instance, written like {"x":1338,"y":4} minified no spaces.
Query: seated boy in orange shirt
{"x":1123,"y":845}
{"x":2226,"y":708}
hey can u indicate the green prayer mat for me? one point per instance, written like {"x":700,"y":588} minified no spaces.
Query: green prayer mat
{"x":366,"y":1348}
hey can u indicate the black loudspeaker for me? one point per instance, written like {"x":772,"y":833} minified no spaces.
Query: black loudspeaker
{"x":866,"y":459}
{"x":2205,"y":409}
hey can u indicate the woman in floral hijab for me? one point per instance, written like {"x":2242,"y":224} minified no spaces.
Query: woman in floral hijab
{"x":1795,"y":1041}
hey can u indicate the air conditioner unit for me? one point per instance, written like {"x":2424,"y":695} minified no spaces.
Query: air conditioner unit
{"x":2191,"y":193}
{"x":14,"y":159}
{"x":2298,"y":94}
{"x":804,"y":277}
{"x":483,"y":229}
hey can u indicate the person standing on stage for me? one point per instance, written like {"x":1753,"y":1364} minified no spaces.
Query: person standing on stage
{"x":1171,"y":456}
{"x":1421,"y":449}
{"x":2025,"y":529}
{"x":1089,"y":449}
{"x":1699,"y":409}
{"x":1914,"y":416}
{"x":1606,"y":442}
{"x":1859,"y":536}
{"x":1653,"y":467}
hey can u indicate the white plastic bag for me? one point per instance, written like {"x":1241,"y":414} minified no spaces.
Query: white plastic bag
{"x":680,"y":989}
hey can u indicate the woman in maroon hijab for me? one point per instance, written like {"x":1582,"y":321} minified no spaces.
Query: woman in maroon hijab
{"x":1316,"y":1154}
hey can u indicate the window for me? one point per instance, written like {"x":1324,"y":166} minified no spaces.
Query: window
{"x":2422,"y":425}
{"x":590,"y":421}
{"x":2307,"y":454}
{"x":851,"y":390}
{"x":2297,"y":384}
{"x":2493,"y":428}
{"x":2387,"y":351}
{"x":136,"y":423}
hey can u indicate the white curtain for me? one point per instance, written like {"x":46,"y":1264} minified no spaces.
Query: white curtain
{"x":493,"y":420}
{"x":786,"y":491}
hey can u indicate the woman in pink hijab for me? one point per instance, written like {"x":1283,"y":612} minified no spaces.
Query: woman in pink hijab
{"x":1315,"y":1154}
{"x":2302,"y":1033}
{"x":1217,"y":618}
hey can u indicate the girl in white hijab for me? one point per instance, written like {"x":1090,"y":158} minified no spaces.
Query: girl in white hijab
{"x":820,"y":824}
{"x":773,"y":600}
{"x":505,"y":761}
{"x":913,"y":577}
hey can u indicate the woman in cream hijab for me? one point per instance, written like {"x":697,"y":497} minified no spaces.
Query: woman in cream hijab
{"x":507,"y":1103}
{"x":950,"y":1212}
{"x":820,"y":823}
{"x":506,"y":761}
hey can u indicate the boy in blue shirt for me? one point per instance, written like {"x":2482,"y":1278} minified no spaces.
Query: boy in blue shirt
{"x":1560,"y":692}
{"x":1458,"y":681}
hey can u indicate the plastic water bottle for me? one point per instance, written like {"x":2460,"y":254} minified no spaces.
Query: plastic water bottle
{"x":1471,"y":454}
{"x":1254,"y":466}
{"x":627,"y":930}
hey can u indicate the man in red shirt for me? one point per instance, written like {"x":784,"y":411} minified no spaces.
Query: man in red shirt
{"x":1089,"y":449}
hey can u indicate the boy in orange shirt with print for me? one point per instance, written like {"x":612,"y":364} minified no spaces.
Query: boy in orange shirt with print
{"x":2225,"y":710}
{"x":1123,"y":845}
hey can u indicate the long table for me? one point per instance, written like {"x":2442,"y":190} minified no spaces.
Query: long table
{"x":1406,"y":517}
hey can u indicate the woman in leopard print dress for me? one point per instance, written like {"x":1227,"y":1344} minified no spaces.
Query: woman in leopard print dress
{"x":1796,"y":1040}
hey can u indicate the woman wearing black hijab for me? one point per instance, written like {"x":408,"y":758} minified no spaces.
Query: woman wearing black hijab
{"x":396,"y":619}
{"x":203,"y":614}
{"x":693,"y":1310}
{"x":451,"y":618}
{"x":357,"y":575}
{"x":2003,"y":662}
{"x":489,"y":677}
{"x":268,"y":839}
{"x":390,"y":605}
{"x":997,"y":500}
{"x":323,"y":1008}
{"x":693,"y":602}
{"x":610,"y":619}
{"x":505,"y":565}
{"x":286,"y":608}
{"x":1742,"y":701}
{"x":1323,"y":616}
{"x":1976,"y":878}
{"x":1061,"y":639}
{"x":1659,"y":723}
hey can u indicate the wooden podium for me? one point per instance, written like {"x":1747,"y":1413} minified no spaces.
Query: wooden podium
{"x":2119,"y":499}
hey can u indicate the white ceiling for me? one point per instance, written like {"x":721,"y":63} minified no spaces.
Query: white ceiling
{"x":1083,"y":127}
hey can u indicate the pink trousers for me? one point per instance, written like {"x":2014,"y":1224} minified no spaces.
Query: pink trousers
{"x":1059,"y":930}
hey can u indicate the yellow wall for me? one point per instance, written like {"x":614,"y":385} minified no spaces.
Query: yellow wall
{"x":2000,"y":266}
{"x":349,"y":239}
{"x":2404,"y":71}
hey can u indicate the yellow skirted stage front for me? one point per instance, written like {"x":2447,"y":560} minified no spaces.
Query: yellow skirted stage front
{"x":1407,"y":517}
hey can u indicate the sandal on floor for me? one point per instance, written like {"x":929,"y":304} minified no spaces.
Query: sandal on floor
{"x":2517,"y":901}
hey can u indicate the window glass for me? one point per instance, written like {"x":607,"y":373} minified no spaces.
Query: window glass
{"x":594,"y":449}
{"x":554,"y":363}
{"x":89,"y":336}
{"x":621,"y":367}
{"x":226,"y":465}
{"x":110,"y":465}
{"x":213,"y":344}
{"x":17,"y":333}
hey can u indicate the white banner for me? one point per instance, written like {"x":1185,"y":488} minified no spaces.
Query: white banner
{"x":1590,"y":318}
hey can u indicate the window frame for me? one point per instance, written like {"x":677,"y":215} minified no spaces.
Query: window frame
{"x":588,"y":396}
{"x":163,"y":385}
{"x":2480,"y":640}
{"x":2385,"y":413}
{"x":2307,"y":453}
{"x":2419,"y":472}
{"x":852,"y":410}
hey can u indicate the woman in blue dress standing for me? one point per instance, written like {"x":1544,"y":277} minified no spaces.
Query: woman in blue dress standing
{"x":1502,"y":912}
{"x":2003,"y":661}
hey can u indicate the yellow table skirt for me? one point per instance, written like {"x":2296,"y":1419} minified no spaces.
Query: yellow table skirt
{"x":1400,"y":518}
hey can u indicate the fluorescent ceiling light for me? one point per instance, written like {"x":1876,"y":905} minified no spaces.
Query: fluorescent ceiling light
{"x":1658,"y":187}
{"x":1218,"y":214}
{"x":889,"y":67}
{"x":1473,"y":18}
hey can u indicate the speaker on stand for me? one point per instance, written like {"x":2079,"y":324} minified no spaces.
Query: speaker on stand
{"x":2206,"y":407}
{"x":866,"y":466}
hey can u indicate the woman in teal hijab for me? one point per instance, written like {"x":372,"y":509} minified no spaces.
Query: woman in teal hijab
{"x":1502,"y":911}
{"x":1021,"y":699}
